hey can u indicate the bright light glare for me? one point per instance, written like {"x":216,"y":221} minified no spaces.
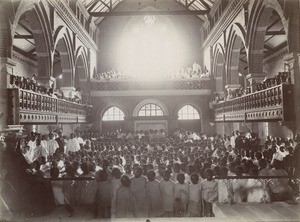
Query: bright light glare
{"x":151,"y":52}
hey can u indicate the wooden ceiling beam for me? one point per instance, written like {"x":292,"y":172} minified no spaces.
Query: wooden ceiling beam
{"x":143,"y":13}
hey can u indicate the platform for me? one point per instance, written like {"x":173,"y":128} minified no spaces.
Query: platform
{"x":246,"y":212}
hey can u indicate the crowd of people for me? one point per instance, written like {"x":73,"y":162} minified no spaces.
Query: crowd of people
{"x":151,"y":174}
{"x":193,"y":72}
{"x":33,"y":85}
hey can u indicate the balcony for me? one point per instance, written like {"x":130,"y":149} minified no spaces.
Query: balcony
{"x":123,"y":84}
{"x":274,"y":103}
{"x":28,"y":107}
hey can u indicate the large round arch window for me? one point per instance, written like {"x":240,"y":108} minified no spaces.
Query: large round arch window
{"x":150,"y":110}
{"x":113,"y":114}
{"x":188,"y":112}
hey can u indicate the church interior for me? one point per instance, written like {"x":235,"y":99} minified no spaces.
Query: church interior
{"x":149,"y":110}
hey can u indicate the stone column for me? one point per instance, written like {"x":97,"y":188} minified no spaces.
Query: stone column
{"x":292,"y":60}
{"x":254,"y":79}
{"x":6,"y":69}
{"x":46,"y":81}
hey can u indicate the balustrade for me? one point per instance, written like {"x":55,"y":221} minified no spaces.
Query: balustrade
{"x":269,"y":102}
{"x":27,"y":106}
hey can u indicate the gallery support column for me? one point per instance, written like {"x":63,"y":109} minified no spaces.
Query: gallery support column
{"x":6,"y":69}
{"x":292,"y":61}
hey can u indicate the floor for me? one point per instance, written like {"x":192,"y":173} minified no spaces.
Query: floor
{"x":245,"y":212}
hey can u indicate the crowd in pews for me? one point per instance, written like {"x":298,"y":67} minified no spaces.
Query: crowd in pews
{"x":151,"y":174}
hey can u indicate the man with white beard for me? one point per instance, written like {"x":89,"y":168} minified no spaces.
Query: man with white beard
{"x":72,"y":144}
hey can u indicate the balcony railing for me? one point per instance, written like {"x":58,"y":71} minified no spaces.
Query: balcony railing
{"x":274,"y":103}
{"x":178,"y":84}
{"x":28,"y":107}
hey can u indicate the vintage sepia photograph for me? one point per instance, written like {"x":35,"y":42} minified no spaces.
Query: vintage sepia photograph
{"x":150,"y":110}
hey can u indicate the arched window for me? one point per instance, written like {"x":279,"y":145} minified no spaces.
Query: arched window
{"x":150,"y":110}
{"x":188,"y":112}
{"x":113,"y":114}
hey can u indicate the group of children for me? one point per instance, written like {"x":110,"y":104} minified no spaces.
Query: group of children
{"x":139,"y":196}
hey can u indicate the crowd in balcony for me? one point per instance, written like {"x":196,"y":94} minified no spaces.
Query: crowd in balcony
{"x":280,"y":78}
{"x":193,"y":72}
{"x":32,"y":84}
{"x":151,"y":174}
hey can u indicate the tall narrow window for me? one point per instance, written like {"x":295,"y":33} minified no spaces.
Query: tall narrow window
{"x":113,"y":114}
{"x":151,"y":110}
{"x":188,"y":112}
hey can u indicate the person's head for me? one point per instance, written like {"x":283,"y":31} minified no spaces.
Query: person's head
{"x":180,"y":178}
{"x":167,"y":175}
{"x":59,"y":134}
{"x":102,"y":176}
{"x":38,"y":142}
{"x":209,"y":174}
{"x":84,"y":167}
{"x":277,"y":164}
{"x":151,"y":175}
{"x":105,"y":164}
{"x":72,"y":135}
{"x":54,"y":172}
{"x":253,"y":171}
{"x":51,"y":136}
{"x":194,"y":178}
{"x":128,"y":169}
{"x":70,"y":171}
{"x":176,"y":167}
{"x":238,"y":171}
{"x":116,"y":173}
{"x":262,"y":163}
{"x":223,"y":172}
{"x":138,"y":172}
{"x":125,"y":181}
{"x":36,"y":165}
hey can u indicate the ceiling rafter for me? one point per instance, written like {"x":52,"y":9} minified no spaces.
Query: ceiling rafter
{"x":90,"y":8}
{"x":138,"y":13}
{"x":18,"y":36}
{"x":273,"y":23}
{"x":280,"y":32}
{"x":205,"y":4}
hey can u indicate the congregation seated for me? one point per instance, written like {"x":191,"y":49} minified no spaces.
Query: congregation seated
{"x":185,"y":156}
